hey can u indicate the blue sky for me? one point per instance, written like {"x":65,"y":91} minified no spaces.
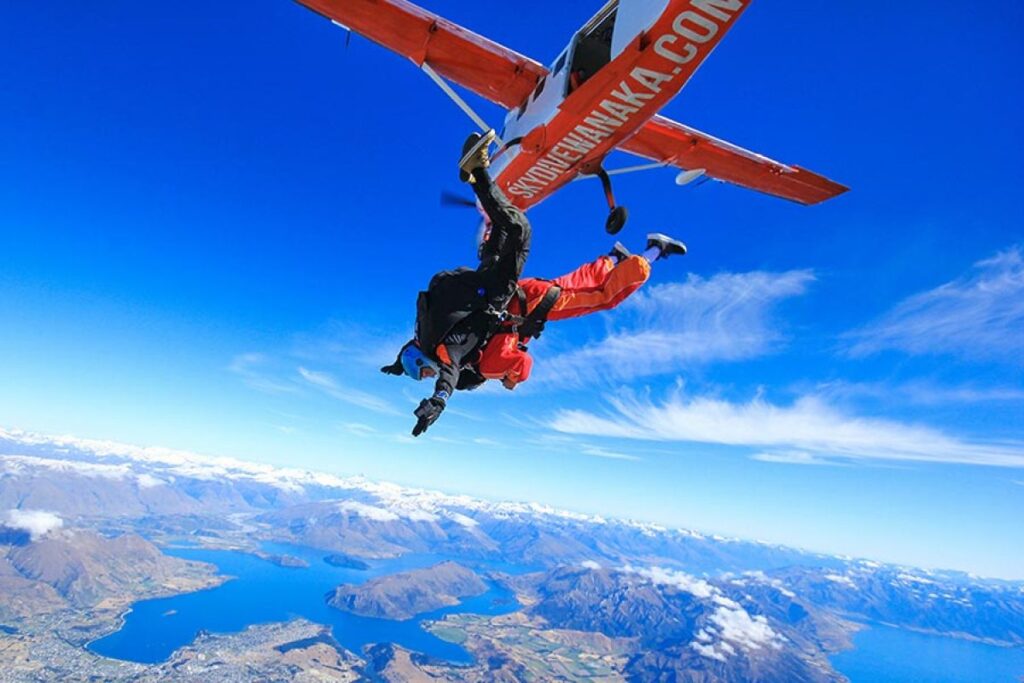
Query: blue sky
{"x":214,"y":221}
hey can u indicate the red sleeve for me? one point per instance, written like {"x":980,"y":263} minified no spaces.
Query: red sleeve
{"x":502,"y":357}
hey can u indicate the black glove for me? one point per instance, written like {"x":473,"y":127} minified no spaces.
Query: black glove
{"x":396,"y":368}
{"x":430,"y":409}
{"x":393,"y":369}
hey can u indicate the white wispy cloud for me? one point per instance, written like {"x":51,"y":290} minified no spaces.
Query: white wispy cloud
{"x":977,"y":316}
{"x":793,"y":458}
{"x":662,"y":328}
{"x":330,"y":386}
{"x":730,"y":625}
{"x":349,"y":342}
{"x":708,"y":651}
{"x":737,"y":626}
{"x":662,"y":576}
{"x":601,"y":452}
{"x":808,"y":425}
{"x":337,"y":345}
{"x":37,"y":523}
{"x":920,"y":392}
{"x":359,"y":429}
{"x":252,"y":368}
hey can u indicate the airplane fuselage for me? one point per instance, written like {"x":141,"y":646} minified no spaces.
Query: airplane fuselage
{"x":569,"y":129}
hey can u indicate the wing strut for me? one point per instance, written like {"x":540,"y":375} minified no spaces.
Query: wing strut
{"x":461,"y":103}
{"x":628,"y":169}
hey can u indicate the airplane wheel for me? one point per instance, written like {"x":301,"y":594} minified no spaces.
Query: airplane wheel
{"x":616,"y":219}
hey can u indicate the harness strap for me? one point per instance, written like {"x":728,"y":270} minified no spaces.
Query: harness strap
{"x":521,"y":296}
{"x":534,"y":321}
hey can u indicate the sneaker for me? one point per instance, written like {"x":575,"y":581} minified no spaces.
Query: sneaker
{"x":666,"y":244}
{"x":619,"y":253}
{"x":475,"y":154}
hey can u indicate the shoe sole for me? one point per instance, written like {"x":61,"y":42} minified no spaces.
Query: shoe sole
{"x":668,"y":245}
{"x":485,"y":140}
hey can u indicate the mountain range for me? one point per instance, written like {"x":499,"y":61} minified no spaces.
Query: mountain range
{"x":599,"y":598}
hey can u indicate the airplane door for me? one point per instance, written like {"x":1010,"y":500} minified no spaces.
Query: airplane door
{"x":634,"y":16}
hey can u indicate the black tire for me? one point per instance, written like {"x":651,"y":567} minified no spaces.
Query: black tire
{"x":616,"y":220}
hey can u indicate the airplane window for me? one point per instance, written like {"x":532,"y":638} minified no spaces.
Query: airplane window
{"x":540,"y":88}
{"x":559,"y":64}
{"x":592,"y":51}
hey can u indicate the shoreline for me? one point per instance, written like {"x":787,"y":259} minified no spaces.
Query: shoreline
{"x":217,"y":580}
{"x":466,"y":658}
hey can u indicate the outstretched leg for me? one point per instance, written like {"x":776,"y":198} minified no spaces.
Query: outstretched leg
{"x":588,"y":277}
{"x":599,"y":286}
{"x":606,"y":282}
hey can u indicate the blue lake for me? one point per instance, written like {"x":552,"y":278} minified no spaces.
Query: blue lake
{"x":883,"y":654}
{"x":264,"y":592}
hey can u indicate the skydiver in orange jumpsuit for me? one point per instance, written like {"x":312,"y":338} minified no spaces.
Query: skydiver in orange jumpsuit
{"x":597,"y":286}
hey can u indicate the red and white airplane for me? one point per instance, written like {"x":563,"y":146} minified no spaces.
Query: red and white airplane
{"x":602,"y":92}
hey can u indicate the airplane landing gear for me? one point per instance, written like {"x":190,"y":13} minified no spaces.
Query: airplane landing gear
{"x":618,"y":214}
{"x":616,"y":219}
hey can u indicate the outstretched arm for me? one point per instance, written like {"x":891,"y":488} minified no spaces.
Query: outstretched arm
{"x":453,"y":353}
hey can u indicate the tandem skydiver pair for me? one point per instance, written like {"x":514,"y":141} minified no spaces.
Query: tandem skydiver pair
{"x":475,"y":324}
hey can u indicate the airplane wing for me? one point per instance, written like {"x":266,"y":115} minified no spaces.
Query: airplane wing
{"x":494,"y":72}
{"x":667,"y":141}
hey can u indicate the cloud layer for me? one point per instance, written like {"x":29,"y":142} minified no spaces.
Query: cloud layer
{"x":37,"y":523}
{"x":730,"y":625}
{"x":978,"y":316}
{"x":809,"y":427}
{"x":662,"y":328}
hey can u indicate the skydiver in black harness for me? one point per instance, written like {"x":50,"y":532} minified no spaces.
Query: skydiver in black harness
{"x":461,"y":309}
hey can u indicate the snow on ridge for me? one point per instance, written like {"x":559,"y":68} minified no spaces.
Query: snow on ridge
{"x":182,"y":463}
{"x":419,"y":515}
{"x":373,"y":512}
{"x":399,"y":499}
{"x":758,"y":576}
{"x":17,"y":464}
{"x":391,"y":496}
{"x":463,"y":520}
{"x":910,"y":578}
{"x":841,"y":579}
